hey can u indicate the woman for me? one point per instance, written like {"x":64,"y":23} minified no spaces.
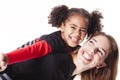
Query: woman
{"x":97,"y":59}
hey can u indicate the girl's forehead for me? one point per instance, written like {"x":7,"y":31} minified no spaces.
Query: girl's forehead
{"x":79,"y":19}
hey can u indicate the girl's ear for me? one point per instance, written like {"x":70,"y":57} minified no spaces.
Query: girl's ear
{"x":62,"y":27}
{"x":101,"y":65}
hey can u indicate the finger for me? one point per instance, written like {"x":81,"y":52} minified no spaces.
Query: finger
{"x":3,"y":66}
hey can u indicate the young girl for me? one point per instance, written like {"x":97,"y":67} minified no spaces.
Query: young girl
{"x":97,"y":59}
{"x":74,"y":24}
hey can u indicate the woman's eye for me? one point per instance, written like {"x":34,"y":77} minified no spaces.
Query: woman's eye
{"x":91,"y":42}
{"x":100,"y":52}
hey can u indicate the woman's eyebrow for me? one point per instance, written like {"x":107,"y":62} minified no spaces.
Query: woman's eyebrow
{"x":95,"y":40}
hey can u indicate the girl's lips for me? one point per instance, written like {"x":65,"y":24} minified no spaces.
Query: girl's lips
{"x":73,"y":39}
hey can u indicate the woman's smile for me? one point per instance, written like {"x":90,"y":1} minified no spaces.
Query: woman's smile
{"x":87,"y":57}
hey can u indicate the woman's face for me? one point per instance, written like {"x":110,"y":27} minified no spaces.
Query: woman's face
{"x":74,"y":30}
{"x":94,"y":51}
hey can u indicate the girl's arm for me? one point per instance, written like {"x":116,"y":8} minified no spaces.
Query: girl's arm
{"x":36,"y":50}
{"x":29,"y":43}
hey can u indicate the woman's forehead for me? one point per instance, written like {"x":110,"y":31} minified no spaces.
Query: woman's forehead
{"x":102,"y":41}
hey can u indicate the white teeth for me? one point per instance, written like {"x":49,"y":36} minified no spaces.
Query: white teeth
{"x":86,"y":56}
{"x":74,"y":39}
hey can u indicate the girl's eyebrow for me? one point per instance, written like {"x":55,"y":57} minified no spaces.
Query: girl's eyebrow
{"x":77,"y":26}
{"x":74,"y":25}
{"x":101,"y":48}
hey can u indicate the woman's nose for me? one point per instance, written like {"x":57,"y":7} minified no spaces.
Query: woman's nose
{"x":93,"y":50}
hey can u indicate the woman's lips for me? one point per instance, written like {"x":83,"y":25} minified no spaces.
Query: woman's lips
{"x":87,"y":56}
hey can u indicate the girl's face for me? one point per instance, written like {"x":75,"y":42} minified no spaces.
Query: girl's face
{"x":94,"y":52}
{"x":74,"y":30}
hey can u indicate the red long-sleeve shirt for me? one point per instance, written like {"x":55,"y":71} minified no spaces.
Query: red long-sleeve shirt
{"x":26,"y":53}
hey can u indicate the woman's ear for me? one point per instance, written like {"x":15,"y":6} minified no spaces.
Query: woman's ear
{"x":101,"y":65}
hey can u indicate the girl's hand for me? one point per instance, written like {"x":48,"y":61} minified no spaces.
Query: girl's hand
{"x":3,"y":61}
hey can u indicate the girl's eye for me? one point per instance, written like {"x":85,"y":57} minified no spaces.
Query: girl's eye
{"x":72,"y":27}
{"x":83,"y":30}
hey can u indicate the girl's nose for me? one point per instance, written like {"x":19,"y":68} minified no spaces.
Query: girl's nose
{"x":77,"y":33}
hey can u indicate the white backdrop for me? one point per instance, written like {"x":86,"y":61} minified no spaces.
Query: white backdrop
{"x":25,"y":20}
